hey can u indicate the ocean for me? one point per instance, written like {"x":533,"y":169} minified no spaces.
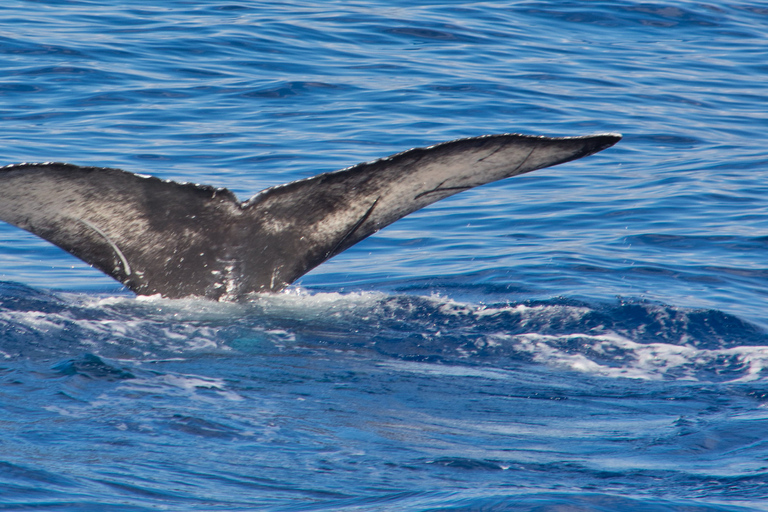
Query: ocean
{"x":587,"y":337}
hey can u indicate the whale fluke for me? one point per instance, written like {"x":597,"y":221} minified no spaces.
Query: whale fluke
{"x":181,"y":239}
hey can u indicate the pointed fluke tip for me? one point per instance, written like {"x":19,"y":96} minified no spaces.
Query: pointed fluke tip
{"x":587,"y":145}
{"x":604,"y":140}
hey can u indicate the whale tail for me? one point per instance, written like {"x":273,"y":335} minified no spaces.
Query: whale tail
{"x":181,"y":239}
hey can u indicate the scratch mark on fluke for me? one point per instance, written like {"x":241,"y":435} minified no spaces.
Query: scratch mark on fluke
{"x":126,"y":266}
{"x":440,"y":188}
{"x":354,"y":228}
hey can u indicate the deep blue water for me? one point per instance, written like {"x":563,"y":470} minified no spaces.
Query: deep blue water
{"x":589,"y":337}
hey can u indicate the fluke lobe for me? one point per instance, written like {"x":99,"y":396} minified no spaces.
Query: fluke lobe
{"x":181,"y":239}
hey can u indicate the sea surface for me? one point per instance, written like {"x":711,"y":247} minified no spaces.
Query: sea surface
{"x":588,"y":337}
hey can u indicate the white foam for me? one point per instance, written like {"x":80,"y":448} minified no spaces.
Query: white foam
{"x":185,"y":325}
{"x":444,"y":369}
{"x":648,"y":361}
{"x":184,"y":385}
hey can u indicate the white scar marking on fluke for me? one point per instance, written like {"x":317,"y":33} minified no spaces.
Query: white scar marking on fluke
{"x":117,"y":250}
{"x":231,"y":282}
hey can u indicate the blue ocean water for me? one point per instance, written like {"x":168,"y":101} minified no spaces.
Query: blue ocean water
{"x":589,"y":337}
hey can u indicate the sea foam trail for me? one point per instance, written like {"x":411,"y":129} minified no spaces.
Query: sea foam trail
{"x":623,"y":340}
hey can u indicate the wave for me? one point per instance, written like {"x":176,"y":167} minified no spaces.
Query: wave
{"x":624,"y":339}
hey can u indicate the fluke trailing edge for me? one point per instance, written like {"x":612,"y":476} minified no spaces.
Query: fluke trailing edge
{"x":180,"y":239}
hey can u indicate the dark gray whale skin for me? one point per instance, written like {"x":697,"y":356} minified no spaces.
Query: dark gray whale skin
{"x":181,"y":239}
